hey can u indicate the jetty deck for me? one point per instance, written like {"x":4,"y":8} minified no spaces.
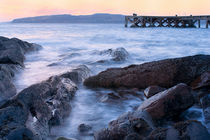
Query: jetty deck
{"x":167,"y":21}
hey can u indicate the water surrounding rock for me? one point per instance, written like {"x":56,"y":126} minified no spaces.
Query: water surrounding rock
{"x":164,"y":73}
{"x":12,"y":53}
{"x":152,"y":90}
{"x":39,"y":107}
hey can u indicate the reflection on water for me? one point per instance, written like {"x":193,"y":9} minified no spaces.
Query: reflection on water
{"x":66,"y":46}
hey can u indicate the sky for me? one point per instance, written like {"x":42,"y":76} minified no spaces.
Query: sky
{"x":10,"y":9}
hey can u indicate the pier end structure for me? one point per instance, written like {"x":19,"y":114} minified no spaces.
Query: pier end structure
{"x":167,"y":21}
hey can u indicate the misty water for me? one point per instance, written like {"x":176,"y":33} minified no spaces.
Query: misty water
{"x":66,"y":46}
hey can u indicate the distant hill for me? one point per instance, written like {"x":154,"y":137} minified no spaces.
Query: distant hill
{"x":95,"y":18}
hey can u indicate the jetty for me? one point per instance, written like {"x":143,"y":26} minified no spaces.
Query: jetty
{"x":167,"y":21}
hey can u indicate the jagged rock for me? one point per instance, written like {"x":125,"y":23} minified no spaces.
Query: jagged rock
{"x":63,"y":138}
{"x":202,"y":81}
{"x":11,"y":58}
{"x":151,"y":112}
{"x":39,"y":107}
{"x":12,"y":50}
{"x":192,"y":130}
{"x":109,"y":97}
{"x":84,"y":128}
{"x":152,"y":90}
{"x":118,"y":55}
{"x":205,"y":102}
{"x":164,"y":73}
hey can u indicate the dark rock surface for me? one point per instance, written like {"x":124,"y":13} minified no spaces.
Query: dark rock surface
{"x":164,"y":73}
{"x":37,"y":108}
{"x":12,"y":53}
{"x":205,"y":102}
{"x":188,"y":130}
{"x":152,"y":90}
{"x":118,"y":55}
{"x":139,"y":123}
{"x":202,"y":81}
{"x":169,"y":103}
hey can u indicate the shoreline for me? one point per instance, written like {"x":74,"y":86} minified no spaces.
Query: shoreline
{"x":67,"y":83}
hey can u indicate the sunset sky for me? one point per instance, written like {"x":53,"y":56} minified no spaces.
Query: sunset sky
{"x":10,"y":9}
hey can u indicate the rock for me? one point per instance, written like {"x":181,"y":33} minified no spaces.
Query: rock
{"x":205,"y":102}
{"x":164,"y":73}
{"x":202,"y":81}
{"x":164,"y":105}
{"x":169,"y":103}
{"x":152,"y":90}
{"x":84,"y":128}
{"x":78,"y":75}
{"x":63,"y":138}
{"x":12,"y":50}
{"x":119,"y":130}
{"x":7,"y":88}
{"x":109,"y":97}
{"x":192,"y":130}
{"x":12,"y":53}
{"x":118,"y":55}
{"x":38,"y":107}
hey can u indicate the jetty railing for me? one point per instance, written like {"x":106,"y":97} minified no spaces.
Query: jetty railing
{"x":166,"y":21}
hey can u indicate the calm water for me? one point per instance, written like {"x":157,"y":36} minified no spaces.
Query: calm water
{"x":69,"y":45}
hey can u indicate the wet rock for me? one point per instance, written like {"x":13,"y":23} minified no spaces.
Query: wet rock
{"x":63,"y":138}
{"x":12,"y":53}
{"x":152,"y":90}
{"x":118,"y":54}
{"x":192,"y":130}
{"x":12,"y":50}
{"x":164,"y":73}
{"x":150,"y":113}
{"x":205,"y":102}
{"x":124,"y":129}
{"x":169,"y":103}
{"x":84,"y":128}
{"x":38,"y":108}
{"x":7,"y":88}
{"x":109,"y":97}
{"x":78,"y":75}
{"x":202,"y":81}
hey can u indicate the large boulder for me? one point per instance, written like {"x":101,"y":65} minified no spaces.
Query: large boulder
{"x":169,"y":103}
{"x":39,"y":107}
{"x":139,"y":123}
{"x":12,"y":53}
{"x":164,"y":73}
{"x":12,"y":50}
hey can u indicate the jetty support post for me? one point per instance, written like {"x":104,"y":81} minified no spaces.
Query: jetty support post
{"x":199,"y":23}
{"x":126,"y":22}
{"x":207,"y":23}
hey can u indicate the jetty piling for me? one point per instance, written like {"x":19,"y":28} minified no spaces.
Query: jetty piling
{"x":166,"y":21}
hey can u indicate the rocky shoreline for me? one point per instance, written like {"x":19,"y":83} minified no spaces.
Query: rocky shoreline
{"x":170,"y":86}
{"x":159,"y":116}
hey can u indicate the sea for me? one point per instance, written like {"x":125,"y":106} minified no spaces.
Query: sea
{"x":66,"y":46}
